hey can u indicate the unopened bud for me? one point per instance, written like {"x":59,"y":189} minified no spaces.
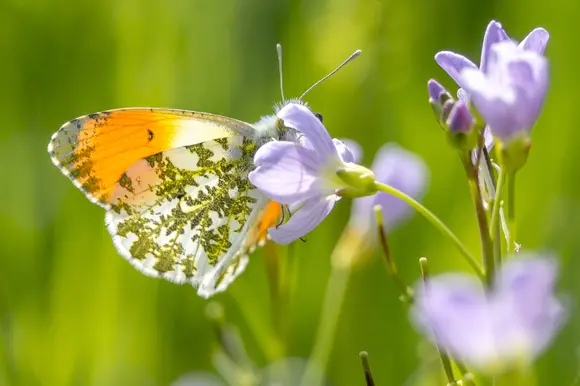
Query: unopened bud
{"x":360,"y":181}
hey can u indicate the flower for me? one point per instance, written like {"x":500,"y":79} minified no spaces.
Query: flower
{"x":510,"y":94}
{"x":309,"y":175}
{"x":510,"y":325}
{"x":454,"y":63}
{"x":400,"y":169}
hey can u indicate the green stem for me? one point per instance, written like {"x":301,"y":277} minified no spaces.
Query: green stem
{"x":486,"y":243}
{"x":511,"y":210}
{"x":406,"y":292}
{"x":494,"y":228}
{"x":333,"y":300}
{"x":445,"y":361}
{"x":497,"y":203}
{"x":364,"y":357}
{"x":436,"y":222}
{"x":466,"y":376}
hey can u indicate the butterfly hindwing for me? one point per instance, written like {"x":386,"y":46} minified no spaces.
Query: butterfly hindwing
{"x":96,"y":149}
{"x":185,"y":214}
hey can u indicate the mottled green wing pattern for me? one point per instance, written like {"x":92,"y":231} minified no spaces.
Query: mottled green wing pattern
{"x":184,"y":214}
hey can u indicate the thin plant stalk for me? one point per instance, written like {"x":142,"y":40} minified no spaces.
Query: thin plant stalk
{"x":436,"y":222}
{"x":364,"y":357}
{"x":483,"y":226}
{"x":344,"y":253}
{"x":511,"y":210}
{"x":445,"y":361}
{"x":406,"y":293}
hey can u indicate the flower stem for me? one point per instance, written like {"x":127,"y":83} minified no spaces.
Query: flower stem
{"x":342,"y":258}
{"x":495,"y":215}
{"x":511,"y":210}
{"x":497,"y":203}
{"x":466,"y":376}
{"x":406,"y":292}
{"x":486,"y":243}
{"x":445,"y":361}
{"x":364,"y":357}
{"x":436,"y":222}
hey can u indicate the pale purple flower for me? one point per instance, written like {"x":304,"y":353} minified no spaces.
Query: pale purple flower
{"x":301,"y":175}
{"x":454,"y":63}
{"x":511,"y":93}
{"x":400,"y":169}
{"x":508,"y":326}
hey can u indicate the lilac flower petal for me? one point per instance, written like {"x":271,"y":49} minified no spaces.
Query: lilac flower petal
{"x":453,"y":64}
{"x":344,"y":149}
{"x":308,"y":217}
{"x":511,"y":95}
{"x":494,"y":33}
{"x":454,"y":310}
{"x":285,"y":172}
{"x":488,"y":138}
{"x":355,"y":149}
{"x":536,"y":41}
{"x":511,"y":325}
{"x":300,"y":118}
{"x":400,"y":169}
{"x":526,"y":285}
{"x":463,"y":96}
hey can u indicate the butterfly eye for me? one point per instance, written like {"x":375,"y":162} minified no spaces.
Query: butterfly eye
{"x":319,"y":116}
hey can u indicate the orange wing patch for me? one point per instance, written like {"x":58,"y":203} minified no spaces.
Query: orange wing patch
{"x":95,"y":150}
{"x":268,"y":218}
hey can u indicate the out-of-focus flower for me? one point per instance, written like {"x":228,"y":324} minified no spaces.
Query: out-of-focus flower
{"x":454,"y":64}
{"x":400,"y":169}
{"x":509,"y":326}
{"x":310,"y":176}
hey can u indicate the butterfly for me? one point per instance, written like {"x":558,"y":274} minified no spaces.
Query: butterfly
{"x":174,"y":184}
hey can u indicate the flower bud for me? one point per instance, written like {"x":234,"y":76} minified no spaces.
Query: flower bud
{"x":360,"y":181}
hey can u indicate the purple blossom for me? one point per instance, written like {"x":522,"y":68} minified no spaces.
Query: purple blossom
{"x":301,"y":175}
{"x":511,"y":93}
{"x":454,"y":63}
{"x":511,"y":325}
{"x":400,"y":169}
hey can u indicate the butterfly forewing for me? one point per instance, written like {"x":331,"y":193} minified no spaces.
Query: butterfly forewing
{"x":185,"y":214}
{"x":96,"y":149}
{"x":176,"y":189}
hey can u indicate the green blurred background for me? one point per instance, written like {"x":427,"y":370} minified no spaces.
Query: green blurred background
{"x":73,"y":312}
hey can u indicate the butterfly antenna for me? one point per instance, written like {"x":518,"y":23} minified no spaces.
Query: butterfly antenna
{"x":279,"y":51}
{"x":348,"y":60}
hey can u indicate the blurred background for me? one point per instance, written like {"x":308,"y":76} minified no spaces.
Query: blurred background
{"x":73,"y":312}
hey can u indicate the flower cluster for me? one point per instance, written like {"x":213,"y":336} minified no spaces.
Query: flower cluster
{"x":512,"y":315}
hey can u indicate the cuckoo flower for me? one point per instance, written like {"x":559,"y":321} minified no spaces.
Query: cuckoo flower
{"x":454,"y":63}
{"x":510,"y":94}
{"x":400,"y":169}
{"x":509,"y":326}
{"x":309,"y":176}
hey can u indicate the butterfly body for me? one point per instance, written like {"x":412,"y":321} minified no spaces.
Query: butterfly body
{"x":175,"y":187}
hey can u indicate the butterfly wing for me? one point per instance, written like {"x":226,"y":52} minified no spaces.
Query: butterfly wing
{"x":96,"y":149}
{"x":175,"y":186}
{"x":187,"y":214}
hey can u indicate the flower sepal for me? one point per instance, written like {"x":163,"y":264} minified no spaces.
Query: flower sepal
{"x":514,"y":154}
{"x":463,"y":141}
{"x":360,"y":181}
